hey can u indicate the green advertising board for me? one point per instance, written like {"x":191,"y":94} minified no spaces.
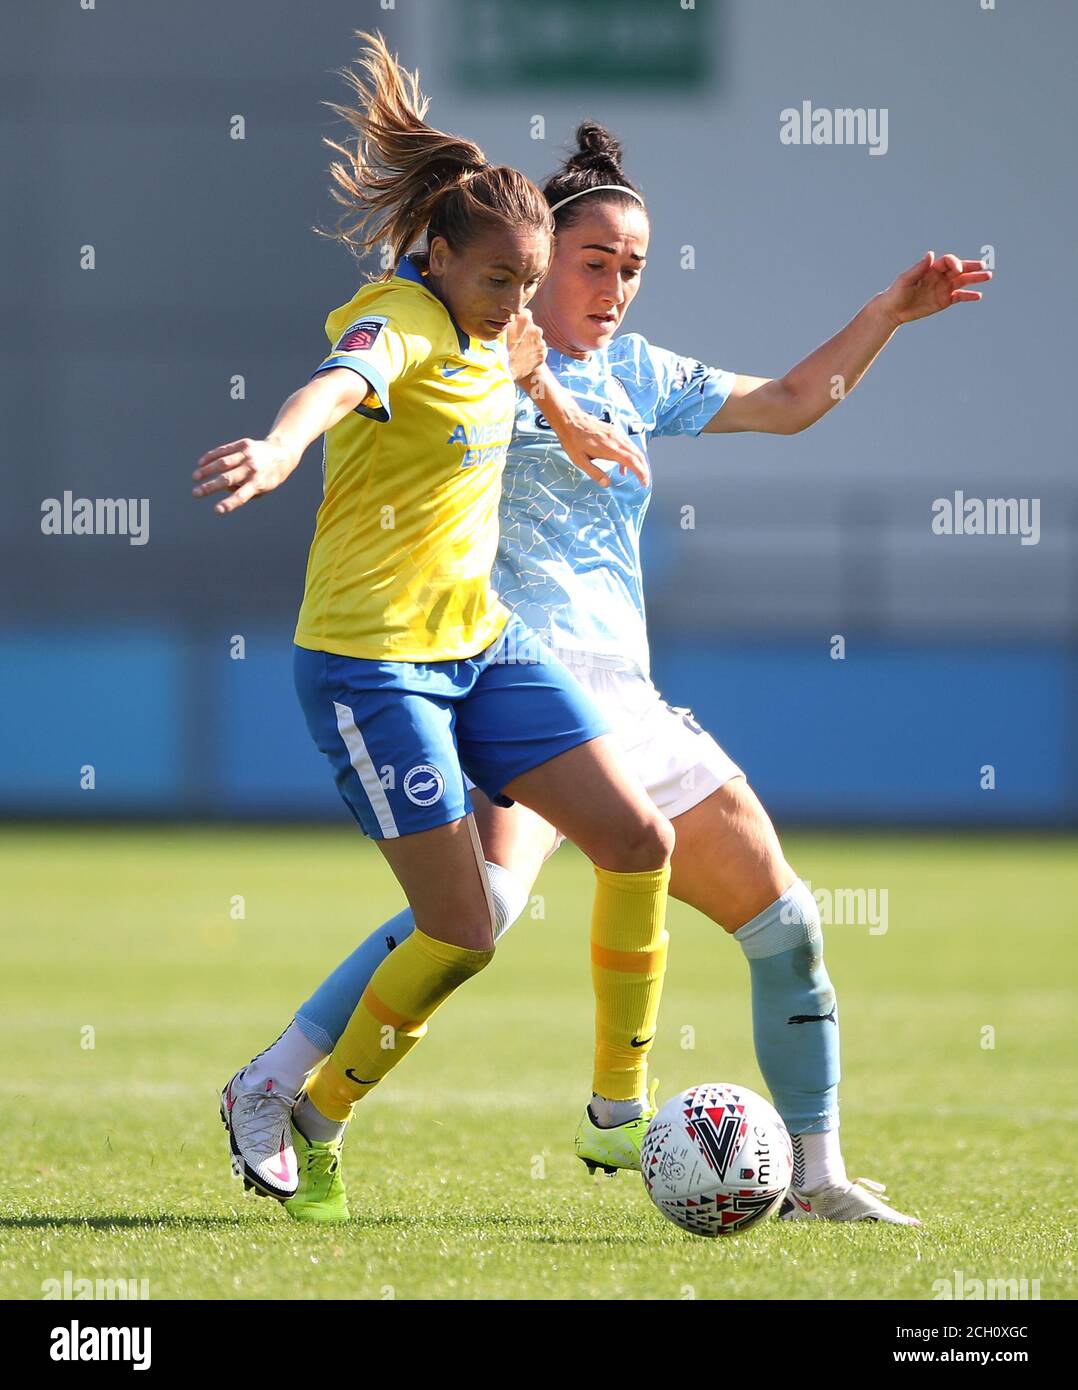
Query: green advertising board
{"x":652,"y":45}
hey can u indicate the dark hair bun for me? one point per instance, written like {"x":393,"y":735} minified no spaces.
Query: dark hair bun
{"x":598,"y":150}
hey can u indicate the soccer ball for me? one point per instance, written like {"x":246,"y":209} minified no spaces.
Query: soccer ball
{"x":716,"y":1159}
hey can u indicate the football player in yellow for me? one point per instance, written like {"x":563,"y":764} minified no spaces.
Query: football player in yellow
{"x":568,"y":564}
{"x":412,"y":674}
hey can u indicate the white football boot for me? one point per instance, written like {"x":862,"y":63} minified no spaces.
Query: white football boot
{"x":259,"y":1124}
{"x":853,"y":1201}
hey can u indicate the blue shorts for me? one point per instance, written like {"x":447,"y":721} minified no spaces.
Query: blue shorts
{"x":400,"y":734}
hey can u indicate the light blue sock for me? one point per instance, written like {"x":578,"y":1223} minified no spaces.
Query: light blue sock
{"x":325,"y":1015}
{"x":794,"y":1013}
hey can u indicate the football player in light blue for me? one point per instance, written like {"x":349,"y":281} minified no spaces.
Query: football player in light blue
{"x":569,"y":565}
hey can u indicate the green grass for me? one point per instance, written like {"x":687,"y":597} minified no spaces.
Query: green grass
{"x":461,"y":1174}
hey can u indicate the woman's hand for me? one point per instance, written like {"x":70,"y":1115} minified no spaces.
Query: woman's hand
{"x":247,"y":467}
{"x":527,"y":347}
{"x":931,"y":285}
{"x":585,"y":437}
{"x":244,"y":469}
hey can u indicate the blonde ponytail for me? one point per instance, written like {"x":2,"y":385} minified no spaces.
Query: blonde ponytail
{"x":402,"y":177}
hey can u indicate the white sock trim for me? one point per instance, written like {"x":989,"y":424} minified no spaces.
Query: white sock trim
{"x":608,"y":1113}
{"x":509,"y":895}
{"x":818,"y":1162}
{"x":793,"y":918}
{"x":288,"y":1062}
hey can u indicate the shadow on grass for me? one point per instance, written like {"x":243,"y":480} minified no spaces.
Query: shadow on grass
{"x":178,"y":1222}
{"x":528,"y":1229}
{"x":104,"y":1223}
{"x":616,"y":1240}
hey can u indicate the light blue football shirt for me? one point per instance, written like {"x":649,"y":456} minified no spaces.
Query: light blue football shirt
{"x":569,"y":553}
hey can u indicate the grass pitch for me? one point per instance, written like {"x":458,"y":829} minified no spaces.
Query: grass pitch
{"x":958,"y":1041}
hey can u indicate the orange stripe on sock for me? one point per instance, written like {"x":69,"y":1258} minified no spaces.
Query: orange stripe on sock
{"x":384,"y":1014}
{"x":628,"y":962}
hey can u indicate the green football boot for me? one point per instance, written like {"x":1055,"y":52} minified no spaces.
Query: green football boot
{"x":614,"y":1148}
{"x":320,"y":1195}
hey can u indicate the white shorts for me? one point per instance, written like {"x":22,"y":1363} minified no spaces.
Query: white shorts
{"x":677,"y":762}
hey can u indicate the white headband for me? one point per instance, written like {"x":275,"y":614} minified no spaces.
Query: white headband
{"x":599,"y":188}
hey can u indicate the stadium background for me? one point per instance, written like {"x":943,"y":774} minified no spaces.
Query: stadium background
{"x":960,"y":651}
{"x":144,"y":962}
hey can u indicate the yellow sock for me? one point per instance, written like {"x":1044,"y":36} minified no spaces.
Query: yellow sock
{"x":390,"y":1018}
{"x":628,"y":962}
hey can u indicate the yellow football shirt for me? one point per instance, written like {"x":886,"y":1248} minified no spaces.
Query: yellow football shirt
{"x":399,"y":568}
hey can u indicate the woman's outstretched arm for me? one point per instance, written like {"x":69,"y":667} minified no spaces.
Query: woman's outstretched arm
{"x":246,"y":467}
{"x":788,"y":404}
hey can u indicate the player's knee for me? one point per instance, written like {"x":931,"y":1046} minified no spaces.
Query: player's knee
{"x":664,"y":838}
{"x":802,"y":914}
{"x":752,"y":883}
{"x":465,"y":961}
{"x":504,"y":903}
{"x":798,"y":912}
{"x":646,"y":843}
{"x":472,"y":927}
{"x":477,"y":961}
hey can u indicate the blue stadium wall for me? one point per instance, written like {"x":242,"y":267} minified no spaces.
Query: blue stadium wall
{"x":896,"y":733}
